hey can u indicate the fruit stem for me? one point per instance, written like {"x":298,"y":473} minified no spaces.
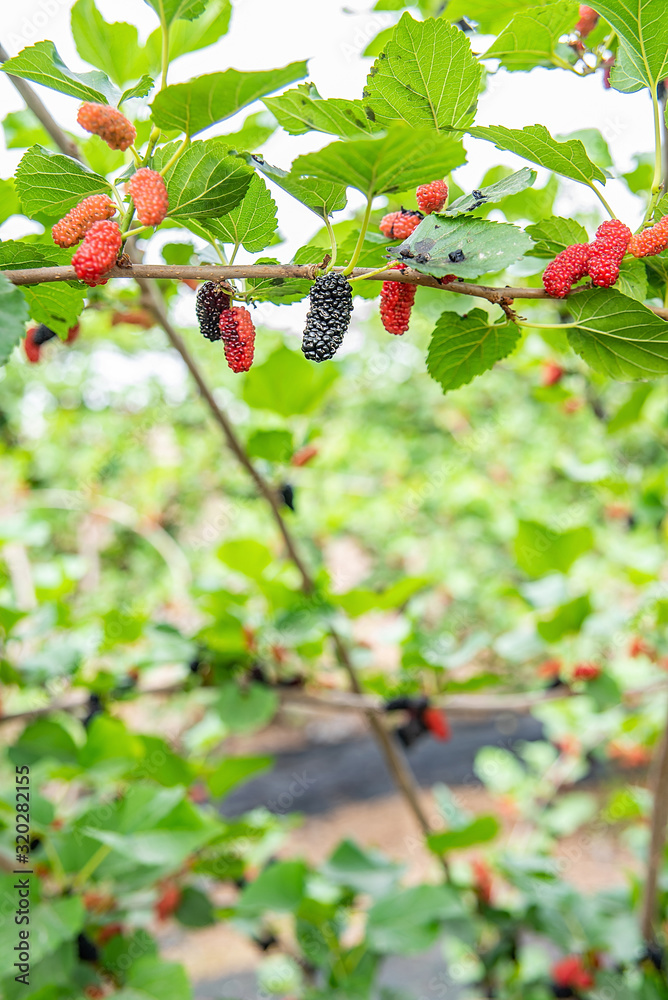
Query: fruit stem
{"x":85,"y":873}
{"x":127,"y":219}
{"x":360,"y":238}
{"x":657,"y":180}
{"x":370,"y":274}
{"x":165,"y":47}
{"x":601,"y":198}
{"x":332,"y":240}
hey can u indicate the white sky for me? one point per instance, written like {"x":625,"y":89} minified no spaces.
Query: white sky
{"x":268,"y":33}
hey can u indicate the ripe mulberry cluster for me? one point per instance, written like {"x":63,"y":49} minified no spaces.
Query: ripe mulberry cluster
{"x":238,"y":335}
{"x":108,"y":123}
{"x":400,"y":225}
{"x":607,"y":251}
{"x":650,"y":241}
{"x":74,"y":226}
{"x":149,"y":193}
{"x":599,"y":259}
{"x":588,"y":21}
{"x":211,"y":302}
{"x":98,"y":252}
{"x":432,"y":197}
{"x":327,"y":320}
{"x":396,"y":302}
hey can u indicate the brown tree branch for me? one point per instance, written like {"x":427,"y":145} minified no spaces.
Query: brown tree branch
{"x":657,"y":842}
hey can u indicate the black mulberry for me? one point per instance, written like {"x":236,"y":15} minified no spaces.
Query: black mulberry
{"x":328,"y":318}
{"x":211,"y":302}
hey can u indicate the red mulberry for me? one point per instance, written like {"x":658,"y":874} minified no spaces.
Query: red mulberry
{"x":98,"y":252}
{"x":432,"y":197}
{"x":607,"y":251}
{"x":650,"y":241}
{"x":396,"y":302}
{"x":588,"y":21}
{"x":238,"y":335}
{"x":149,"y":193}
{"x":108,"y":123}
{"x":400,"y":225}
{"x":567,"y":267}
{"x":74,"y":226}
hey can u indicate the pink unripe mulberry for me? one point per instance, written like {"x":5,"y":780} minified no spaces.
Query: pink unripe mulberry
{"x":149,"y":193}
{"x":108,"y":123}
{"x":98,"y":252}
{"x":74,"y":226}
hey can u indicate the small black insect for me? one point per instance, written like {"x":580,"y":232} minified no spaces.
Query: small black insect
{"x":478,"y":195}
{"x":406,"y":252}
{"x":422,"y":258}
{"x":457,"y":256}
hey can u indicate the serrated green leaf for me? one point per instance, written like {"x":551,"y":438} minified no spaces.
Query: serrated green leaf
{"x":532,"y":36}
{"x":462,"y":347}
{"x":303,"y":110}
{"x":632,"y":280}
{"x":427,"y":76}
{"x":113,"y":48}
{"x":15,"y":254}
{"x":193,"y":106}
{"x":437,"y":243}
{"x":190,"y":36}
{"x":491,"y":16}
{"x":281,"y":290}
{"x":512,"y":184}
{"x":53,"y":183}
{"x":13,"y":317}
{"x":140,"y":89}
{"x":553,"y":235}
{"x":252,"y":223}
{"x":642,"y":27}
{"x":171,"y":10}
{"x":535,"y":143}
{"x":205,"y":181}
{"x":321,"y":197}
{"x":403,"y":158}
{"x":618,"y":336}
{"x":56,"y":304}
{"x":42,"y":64}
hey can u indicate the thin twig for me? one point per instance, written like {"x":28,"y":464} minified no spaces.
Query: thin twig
{"x":657,"y":842}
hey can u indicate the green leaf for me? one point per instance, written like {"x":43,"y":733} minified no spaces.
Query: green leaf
{"x":618,"y":336}
{"x":151,"y":978}
{"x":479,"y":831}
{"x":109,"y":740}
{"x":13,"y":317}
{"x":234,"y":771}
{"x":245,"y":710}
{"x":190,"y":36}
{"x":539,"y":550}
{"x":15,"y":255}
{"x":321,"y":197}
{"x":53,"y":183}
{"x":279,"y":888}
{"x":23,"y":129}
{"x":281,"y":290}
{"x":491,"y":16}
{"x":274,"y":446}
{"x":193,"y":106}
{"x":58,"y":305}
{"x":252,"y":223}
{"x":204,"y":181}
{"x":55,"y":922}
{"x":140,"y":89}
{"x":427,"y":76}
{"x":195,"y":908}
{"x":42,"y":64}
{"x":631,"y":410}
{"x":512,"y":184}
{"x":359,"y":602}
{"x":462,"y":347}
{"x":287,"y":384}
{"x":532,"y":36}
{"x":632,"y":280}
{"x":436,"y":244}
{"x":361,"y":869}
{"x":402,"y":159}
{"x":409,"y":920}
{"x":171,"y":10}
{"x":553,"y":235}
{"x":643,"y":41}
{"x":44,"y":739}
{"x":566,"y":619}
{"x":253,"y":133}
{"x":9,"y":202}
{"x":246,"y":555}
{"x":113,"y":48}
{"x":303,"y":110}
{"x":535,"y":143}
